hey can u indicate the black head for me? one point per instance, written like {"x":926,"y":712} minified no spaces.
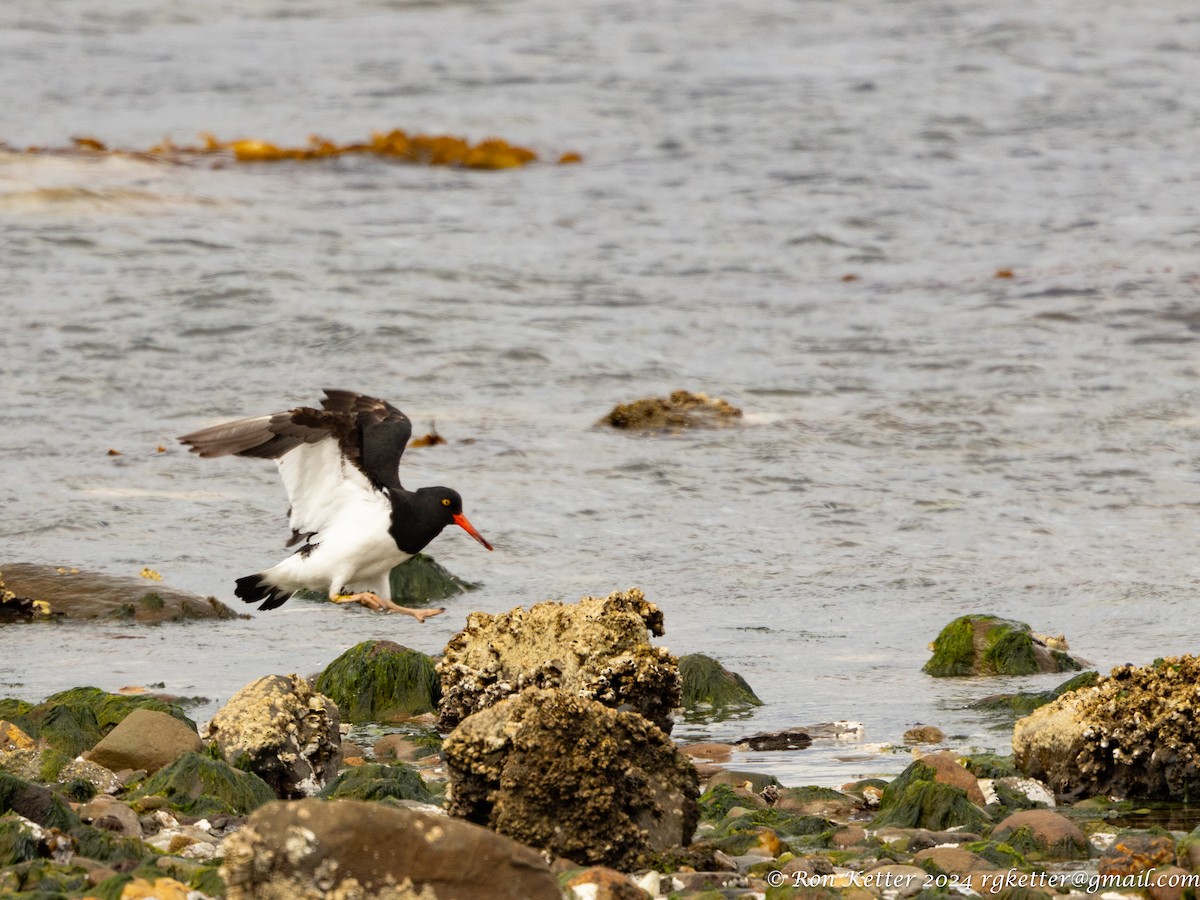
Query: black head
{"x":435,"y":508}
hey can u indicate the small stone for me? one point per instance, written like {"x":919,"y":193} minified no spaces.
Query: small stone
{"x":1136,"y":852}
{"x":602,"y":883}
{"x":1049,"y":832}
{"x":924,"y":734}
{"x":848,"y":836}
{"x":103,"y":780}
{"x":111,"y":815}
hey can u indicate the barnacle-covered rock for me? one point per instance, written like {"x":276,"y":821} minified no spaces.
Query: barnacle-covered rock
{"x":677,"y":412}
{"x":1135,"y":734}
{"x":573,"y":777}
{"x":280,"y":729}
{"x":598,"y":648}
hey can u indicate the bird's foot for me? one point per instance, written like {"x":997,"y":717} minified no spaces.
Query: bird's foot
{"x":371,"y":600}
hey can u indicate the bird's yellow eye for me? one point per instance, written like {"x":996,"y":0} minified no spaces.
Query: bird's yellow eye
{"x":445,"y":501}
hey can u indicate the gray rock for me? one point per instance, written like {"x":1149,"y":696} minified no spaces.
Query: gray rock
{"x":348,"y":848}
{"x":144,"y":739}
{"x":281,"y":730}
{"x":598,"y":648}
{"x":102,"y":779}
{"x":573,"y":777}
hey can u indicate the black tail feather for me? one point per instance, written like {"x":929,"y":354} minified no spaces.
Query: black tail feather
{"x":253,"y":588}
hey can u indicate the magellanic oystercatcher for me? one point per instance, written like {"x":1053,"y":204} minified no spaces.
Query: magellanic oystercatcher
{"x":340,"y":465}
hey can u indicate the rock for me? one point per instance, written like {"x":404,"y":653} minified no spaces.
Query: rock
{"x":924,"y":734}
{"x":709,"y":689}
{"x":1135,"y":734}
{"x":681,"y":410}
{"x":816,"y":801}
{"x":791,"y":739}
{"x":708,"y":750}
{"x":754,"y":782}
{"x":374,"y":781}
{"x":598,"y":648}
{"x":896,"y":880}
{"x":158,"y":889}
{"x":201,"y":786}
{"x":281,"y":730}
{"x":100,"y":778}
{"x":315,"y":849}
{"x":989,"y":645}
{"x":36,"y":803}
{"x":422,"y":579}
{"x":1170,"y":883}
{"x":951,"y":861}
{"x":601,"y":883}
{"x":1033,"y":791}
{"x":80,"y":596}
{"x":1137,"y":852}
{"x":380,"y":681}
{"x":1042,"y":831}
{"x":950,"y":770}
{"x":75,"y":720}
{"x":1023,"y":703}
{"x":13,"y":738}
{"x":917,"y":799}
{"x":573,"y":777}
{"x":111,"y":815}
{"x":145,"y":739}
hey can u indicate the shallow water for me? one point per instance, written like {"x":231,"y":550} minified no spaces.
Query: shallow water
{"x":924,"y":439}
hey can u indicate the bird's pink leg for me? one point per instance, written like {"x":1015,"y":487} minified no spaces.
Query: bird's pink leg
{"x":371,"y":600}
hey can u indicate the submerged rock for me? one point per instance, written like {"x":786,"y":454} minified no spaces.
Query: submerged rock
{"x":281,"y":730}
{"x":423,"y":578}
{"x":679,"y":411}
{"x":573,"y":777}
{"x":201,"y":786}
{"x":380,"y":681}
{"x":709,"y":688}
{"x":1134,"y":734}
{"x":347,"y":848}
{"x":598,"y":648}
{"x":1022,"y":703}
{"x":989,"y":645}
{"x":70,"y":594}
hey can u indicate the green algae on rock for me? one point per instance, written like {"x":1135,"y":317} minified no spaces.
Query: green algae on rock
{"x":711,"y":690}
{"x":681,"y":410}
{"x":989,"y":645}
{"x":376,"y":781}
{"x":75,"y":720}
{"x":916,"y":799}
{"x":201,"y":786}
{"x":1022,"y":703}
{"x":74,"y":595}
{"x":381,"y":681}
{"x":423,"y":578}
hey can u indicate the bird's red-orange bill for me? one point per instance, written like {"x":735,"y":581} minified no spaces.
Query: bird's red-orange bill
{"x":461,"y":521}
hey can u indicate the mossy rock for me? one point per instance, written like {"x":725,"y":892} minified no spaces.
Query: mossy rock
{"x":680,"y":411}
{"x":708,"y":687}
{"x":375,"y":781}
{"x":990,"y":765}
{"x":17,"y":843}
{"x":423,"y":578}
{"x":717,"y":801}
{"x":381,"y":681}
{"x":1023,"y":703}
{"x":75,"y":720}
{"x":916,"y":800}
{"x":990,"y":645}
{"x":108,"y":847}
{"x":999,"y":853}
{"x":201,"y":786}
{"x":35,"y":802}
{"x":43,"y":878}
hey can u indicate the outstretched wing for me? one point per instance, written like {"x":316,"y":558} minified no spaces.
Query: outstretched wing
{"x":327,"y":458}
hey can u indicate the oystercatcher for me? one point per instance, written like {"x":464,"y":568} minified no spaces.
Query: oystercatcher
{"x":340,"y":467}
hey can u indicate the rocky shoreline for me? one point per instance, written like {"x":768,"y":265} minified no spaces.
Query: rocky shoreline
{"x":534,"y":759}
